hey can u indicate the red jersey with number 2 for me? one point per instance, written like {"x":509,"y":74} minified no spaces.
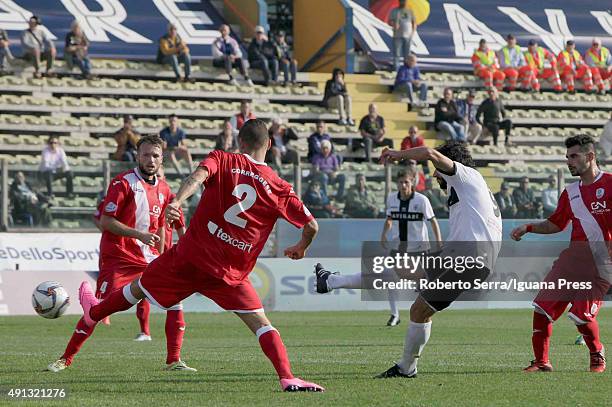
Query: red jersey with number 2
{"x":241,"y":202}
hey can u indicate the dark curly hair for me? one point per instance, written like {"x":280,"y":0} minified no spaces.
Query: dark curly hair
{"x":457,"y":151}
{"x":585,"y":142}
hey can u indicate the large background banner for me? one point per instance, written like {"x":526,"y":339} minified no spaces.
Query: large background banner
{"x":117,"y":28}
{"x":450,"y":31}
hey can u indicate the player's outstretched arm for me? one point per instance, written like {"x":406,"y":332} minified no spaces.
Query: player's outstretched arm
{"x":117,"y":228}
{"x":439,"y":161}
{"x":298,"y":251}
{"x":545,"y":227}
{"x":385,"y":230}
{"x":435,"y":226}
{"x":189,"y":186}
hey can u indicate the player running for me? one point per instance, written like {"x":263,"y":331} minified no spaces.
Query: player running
{"x":587,"y":204}
{"x":410,"y":209}
{"x":242,"y":200}
{"x":473,"y":217}
{"x":133,"y":224}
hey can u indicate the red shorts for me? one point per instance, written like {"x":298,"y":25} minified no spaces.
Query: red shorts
{"x":169,"y":279}
{"x":111,"y":280}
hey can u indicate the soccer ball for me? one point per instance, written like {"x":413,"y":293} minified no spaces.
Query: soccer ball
{"x":50,"y":300}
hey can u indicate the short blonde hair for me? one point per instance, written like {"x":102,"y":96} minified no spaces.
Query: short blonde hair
{"x":326,"y":143}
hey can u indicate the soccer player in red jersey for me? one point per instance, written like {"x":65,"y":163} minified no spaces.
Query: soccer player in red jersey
{"x":587,"y":204}
{"x":134,"y":230}
{"x":242,"y":200}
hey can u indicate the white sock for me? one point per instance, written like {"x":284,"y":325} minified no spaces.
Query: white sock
{"x":393,"y":302}
{"x":344,"y":281}
{"x":416,"y":338}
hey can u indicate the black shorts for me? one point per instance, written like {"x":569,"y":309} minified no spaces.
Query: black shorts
{"x":440,"y":299}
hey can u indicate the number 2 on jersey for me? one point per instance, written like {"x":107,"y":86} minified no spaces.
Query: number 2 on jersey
{"x":231,"y":215}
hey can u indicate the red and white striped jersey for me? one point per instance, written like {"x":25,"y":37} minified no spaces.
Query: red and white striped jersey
{"x":136,"y":204}
{"x":589,"y":208}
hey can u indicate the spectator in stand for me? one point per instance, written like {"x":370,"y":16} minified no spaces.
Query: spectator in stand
{"x":336,"y":97}
{"x":605,"y":141}
{"x":326,"y":168}
{"x":281,"y":152}
{"x":54,"y":165}
{"x":75,"y":50}
{"x":127,"y":139}
{"x":317,"y":201}
{"x":467,"y":110}
{"x":175,"y":147}
{"x":244,"y":116}
{"x":513,"y":65}
{"x":447,"y":118}
{"x":599,"y":61}
{"x":360,"y":203}
{"x":437,"y":198}
{"x":227,"y":140}
{"x":414,"y":139}
{"x":408,"y":77}
{"x":37,"y":46}
{"x":572,"y":68}
{"x":544,"y":66}
{"x":417,"y":174}
{"x":173,"y":51}
{"x":315,"y":139}
{"x":550,"y":197}
{"x":288,"y":64}
{"x":227,"y":54}
{"x":262,"y":55}
{"x":372,"y":129}
{"x":505,"y":202}
{"x":5,"y":51}
{"x":403,"y":23}
{"x":524,"y":199}
{"x":494,"y":116}
{"x":486,"y":66}
{"x":29,"y":207}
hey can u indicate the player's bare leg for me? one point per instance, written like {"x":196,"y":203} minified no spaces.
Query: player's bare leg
{"x":274,"y":348}
{"x":417,"y":335}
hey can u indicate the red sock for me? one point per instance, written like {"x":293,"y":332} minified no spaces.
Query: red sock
{"x":175,"y":329}
{"x":540,"y":339}
{"x":142,"y":313}
{"x":80,"y":335}
{"x":115,"y":302}
{"x":274,"y":348}
{"x":590,"y":333}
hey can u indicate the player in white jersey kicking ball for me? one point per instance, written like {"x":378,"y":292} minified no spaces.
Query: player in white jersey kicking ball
{"x":474,"y":225}
{"x":587,"y":204}
{"x":410,"y":209}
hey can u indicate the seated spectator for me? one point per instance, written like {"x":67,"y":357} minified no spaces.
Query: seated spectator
{"x":288,"y":64}
{"x":315,"y":139}
{"x":28,"y":206}
{"x":372,"y":128}
{"x":605,"y":141}
{"x":54,"y":165}
{"x":262,"y":55}
{"x":227,"y":140}
{"x":5,"y":51}
{"x":326,"y":167}
{"x":75,"y":50}
{"x":336,"y":97}
{"x":525,"y":201}
{"x":126,"y":138}
{"x":281,"y":152}
{"x":172,"y":51}
{"x":175,"y":147}
{"x":37,"y":46}
{"x":599,"y":61}
{"x":550,"y":197}
{"x":317,"y":202}
{"x":505,"y":202}
{"x":417,"y":174}
{"x":437,"y":198}
{"x":467,"y":110}
{"x":414,"y":139}
{"x":360,"y":203}
{"x":245,"y":115}
{"x":227,"y":54}
{"x":486,"y":66}
{"x":409,"y":77}
{"x":447,"y":118}
{"x":494,"y":114}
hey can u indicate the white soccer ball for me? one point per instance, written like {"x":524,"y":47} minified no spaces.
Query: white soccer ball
{"x":50,"y":300}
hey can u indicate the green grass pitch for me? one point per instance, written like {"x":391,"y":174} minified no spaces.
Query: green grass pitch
{"x":474,"y":358}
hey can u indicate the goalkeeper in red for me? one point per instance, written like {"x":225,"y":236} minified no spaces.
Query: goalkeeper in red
{"x":243,"y":198}
{"x":587,"y":204}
